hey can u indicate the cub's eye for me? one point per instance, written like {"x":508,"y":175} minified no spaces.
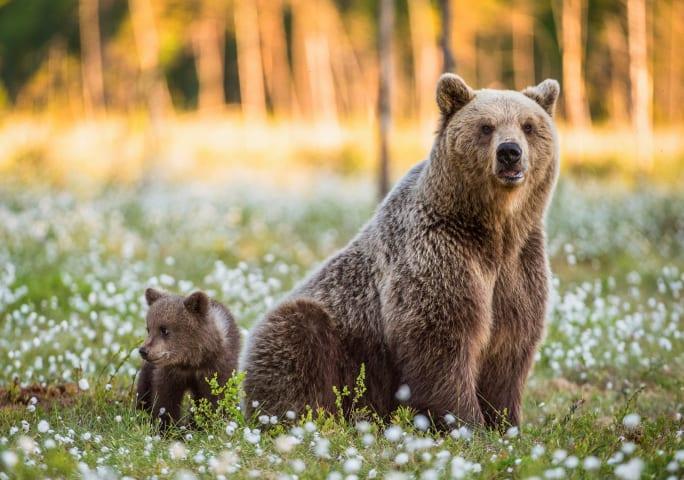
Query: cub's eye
{"x":148,"y":330}
{"x":486,"y":129}
{"x":528,"y":128}
{"x":164,"y":331}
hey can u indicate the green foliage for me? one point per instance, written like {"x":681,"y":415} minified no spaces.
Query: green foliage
{"x":214,"y":415}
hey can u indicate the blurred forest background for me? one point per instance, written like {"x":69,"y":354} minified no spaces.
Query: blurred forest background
{"x":125,"y":89}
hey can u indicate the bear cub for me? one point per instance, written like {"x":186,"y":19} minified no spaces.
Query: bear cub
{"x":189,"y":339}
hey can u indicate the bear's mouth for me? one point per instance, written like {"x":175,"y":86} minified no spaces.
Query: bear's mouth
{"x":511,"y":177}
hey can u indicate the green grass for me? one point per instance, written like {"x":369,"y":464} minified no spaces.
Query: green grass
{"x":73,"y":270}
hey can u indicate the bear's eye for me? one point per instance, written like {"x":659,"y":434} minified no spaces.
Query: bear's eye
{"x":486,"y":129}
{"x":528,"y":128}
{"x":148,"y":330}
{"x":164,"y":331}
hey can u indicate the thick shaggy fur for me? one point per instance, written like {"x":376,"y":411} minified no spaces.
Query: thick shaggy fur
{"x":444,"y":290}
{"x":189,"y":340}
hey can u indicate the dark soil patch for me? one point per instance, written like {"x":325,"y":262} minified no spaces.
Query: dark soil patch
{"x":47,"y":396}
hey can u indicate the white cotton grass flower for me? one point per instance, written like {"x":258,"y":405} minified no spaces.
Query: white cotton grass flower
{"x":631,"y":421}
{"x":352,"y":465}
{"x":253,"y":436}
{"x":298,"y":465}
{"x":630,"y":470}
{"x":177,"y":451}
{"x":43,"y":426}
{"x":393,"y":433}
{"x":402,"y":458}
{"x":403,"y":393}
{"x":285,"y":443}
{"x":9,"y":458}
{"x":449,"y":419}
{"x":512,"y":432}
{"x":26,"y":444}
{"x":264,"y":419}
{"x":83,"y":384}
{"x":462,"y":433}
{"x":559,"y":455}
{"x":554,"y":473}
{"x":537,"y":451}
{"x":461,"y":468}
{"x":363,"y":426}
{"x":421,"y":422}
{"x":368,"y":439}
{"x":628,"y":448}
{"x":591,"y":463}
{"x":225,"y":463}
{"x":322,"y":448}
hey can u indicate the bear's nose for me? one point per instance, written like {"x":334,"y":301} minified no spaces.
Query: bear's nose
{"x":143,"y":352}
{"x":508,"y":153}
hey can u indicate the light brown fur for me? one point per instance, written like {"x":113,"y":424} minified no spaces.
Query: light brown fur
{"x":444,"y":290}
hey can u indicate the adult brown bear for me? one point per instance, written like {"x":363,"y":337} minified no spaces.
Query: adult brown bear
{"x":443,"y":293}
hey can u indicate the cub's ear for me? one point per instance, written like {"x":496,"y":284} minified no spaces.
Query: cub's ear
{"x":452,"y":94}
{"x":152,"y":295}
{"x":197,"y":303}
{"x":545,"y":94}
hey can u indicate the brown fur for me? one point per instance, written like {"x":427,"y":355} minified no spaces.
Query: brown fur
{"x":444,"y":290}
{"x":189,"y":340}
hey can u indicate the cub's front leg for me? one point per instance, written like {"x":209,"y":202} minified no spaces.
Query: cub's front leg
{"x":437,"y":334}
{"x":144,"y":396}
{"x":168,"y":390}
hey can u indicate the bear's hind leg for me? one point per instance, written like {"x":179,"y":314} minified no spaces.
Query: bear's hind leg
{"x":295,"y":358}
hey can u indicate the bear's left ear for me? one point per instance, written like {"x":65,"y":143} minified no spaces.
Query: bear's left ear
{"x":197,"y":303}
{"x":545,"y":94}
{"x":452,"y":94}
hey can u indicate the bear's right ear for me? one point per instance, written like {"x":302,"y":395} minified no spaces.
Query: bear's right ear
{"x":452,"y":94}
{"x":152,"y":295}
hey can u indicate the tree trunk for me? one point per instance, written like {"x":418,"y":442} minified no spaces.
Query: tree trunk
{"x":576,"y":108}
{"x":640,"y":82}
{"x":675,"y":62}
{"x":523,"y":46}
{"x":208,"y":38}
{"x":91,"y":56}
{"x":619,"y":72}
{"x":153,"y":83}
{"x":274,"y":52}
{"x":385,"y":92}
{"x":464,"y":44}
{"x":425,"y":57}
{"x":448,"y":62}
{"x":252,"y":95}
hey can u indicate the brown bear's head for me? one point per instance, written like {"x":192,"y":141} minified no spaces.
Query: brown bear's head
{"x":499,"y":141}
{"x":181,"y":331}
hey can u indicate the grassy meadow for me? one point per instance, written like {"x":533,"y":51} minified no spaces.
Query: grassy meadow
{"x":605,"y":400}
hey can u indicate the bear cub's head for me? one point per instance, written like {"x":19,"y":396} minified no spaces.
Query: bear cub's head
{"x":501,"y":138}
{"x":181,"y":331}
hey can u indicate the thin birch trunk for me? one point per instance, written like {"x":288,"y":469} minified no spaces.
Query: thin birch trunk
{"x":641,"y":84}
{"x":208,"y":38}
{"x":576,"y":106}
{"x":385,"y":92}
{"x":252,"y":94}
{"x":91,"y":56}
